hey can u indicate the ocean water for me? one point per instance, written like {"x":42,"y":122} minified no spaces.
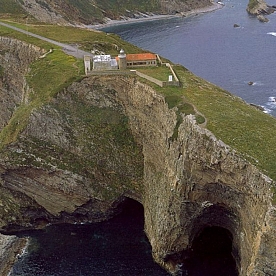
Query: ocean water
{"x":210,"y":46}
{"x":118,"y":247}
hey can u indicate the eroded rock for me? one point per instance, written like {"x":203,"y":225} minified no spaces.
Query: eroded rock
{"x":110,"y":137}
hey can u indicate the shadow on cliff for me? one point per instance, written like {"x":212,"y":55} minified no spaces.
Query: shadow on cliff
{"x":211,"y":254}
{"x":114,"y":247}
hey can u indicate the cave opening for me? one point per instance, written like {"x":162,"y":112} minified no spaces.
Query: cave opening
{"x":117,"y":246}
{"x":211,"y":253}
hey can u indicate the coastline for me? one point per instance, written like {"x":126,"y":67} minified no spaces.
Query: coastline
{"x":10,"y":248}
{"x":215,"y":6}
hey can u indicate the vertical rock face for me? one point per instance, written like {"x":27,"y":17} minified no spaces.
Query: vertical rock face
{"x":15,"y":57}
{"x":65,"y":11}
{"x":183,"y":5}
{"x":195,"y":182}
{"x":110,"y":137}
{"x":10,"y":248}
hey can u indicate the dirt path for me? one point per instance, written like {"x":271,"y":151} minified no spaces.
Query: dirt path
{"x":68,"y":49}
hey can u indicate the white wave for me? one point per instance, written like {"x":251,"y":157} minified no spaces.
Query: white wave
{"x":258,"y":83}
{"x":255,"y":83}
{"x":272,"y":33}
{"x":266,"y":110}
{"x":272,"y":100}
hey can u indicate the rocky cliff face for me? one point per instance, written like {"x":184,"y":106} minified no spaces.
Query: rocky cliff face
{"x":194,"y":182}
{"x":90,"y":12}
{"x":15,"y":57}
{"x":106,"y":138}
{"x":260,"y":9}
{"x":10,"y":248}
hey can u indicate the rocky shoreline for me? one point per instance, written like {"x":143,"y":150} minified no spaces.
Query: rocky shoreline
{"x":152,"y":17}
{"x":10,"y":248}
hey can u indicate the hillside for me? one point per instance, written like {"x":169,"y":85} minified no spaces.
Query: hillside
{"x":73,"y":147}
{"x":94,"y":11}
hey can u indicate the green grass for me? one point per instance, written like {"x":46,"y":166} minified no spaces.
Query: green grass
{"x":246,"y":129}
{"x":84,"y":11}
{"x":252,"y":4}
{"x":50,"y":75}
{"x":85,"y":39}
{"x":46,"y":78}
{"x":10,"y":7}
{"x":243,"y":127}
{"x":159,"y":72}
{"x":112,"y":8}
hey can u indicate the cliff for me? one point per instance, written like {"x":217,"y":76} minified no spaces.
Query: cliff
{"x":10,"y":248}
{"x":106,"y":138}
{"x":260,"y":9}
{"x":91,"y":12}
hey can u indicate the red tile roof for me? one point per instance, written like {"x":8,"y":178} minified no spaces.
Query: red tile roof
{"x":142,"y":56}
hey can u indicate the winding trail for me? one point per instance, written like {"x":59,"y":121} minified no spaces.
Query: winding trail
{"x":68,"y":49}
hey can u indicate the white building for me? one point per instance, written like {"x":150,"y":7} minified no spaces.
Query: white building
{"x":87,"y":65}
{"x":104,"y":62}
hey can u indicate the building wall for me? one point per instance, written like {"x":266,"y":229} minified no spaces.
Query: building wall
{"x":141,"y":63}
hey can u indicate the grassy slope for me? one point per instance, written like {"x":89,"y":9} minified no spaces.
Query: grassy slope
{"x":252,"y":4}
{"x":243,"y":127}
{"x":90,"y":12}
{"x":10,"y":6}
{"x":48,"y":76}
{"x":239,"y":125}
{"x":85,"y":11}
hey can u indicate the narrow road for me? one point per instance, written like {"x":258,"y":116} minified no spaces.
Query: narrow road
{"x":68,"y":49}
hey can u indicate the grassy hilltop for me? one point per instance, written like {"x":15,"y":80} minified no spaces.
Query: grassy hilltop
{"x":243,"y":127}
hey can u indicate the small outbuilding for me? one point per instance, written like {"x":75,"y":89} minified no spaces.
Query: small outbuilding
{"x":104,"y":62}
{"x":142,"y":59}
{"x":87,"y":64}
{"x":136,"y":60}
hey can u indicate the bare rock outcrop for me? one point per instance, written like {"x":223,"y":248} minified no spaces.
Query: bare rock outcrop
{"x":106,"y":138}
{"x":15,"y":58}
{"x":91,"y":12}
{"x":10,"y":248}
{"x":260,"y":9}
{"x":178,"y":6}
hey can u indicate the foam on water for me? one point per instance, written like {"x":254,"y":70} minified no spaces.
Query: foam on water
{"x":209,"y":46}
{"x":270,"y":105}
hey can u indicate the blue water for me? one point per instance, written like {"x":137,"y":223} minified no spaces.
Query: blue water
{"x":118,"y":247}
{"x":210,"y":46}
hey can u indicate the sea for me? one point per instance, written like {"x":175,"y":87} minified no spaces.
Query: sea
{"x":211,"y":47}
{"x":117,"y":247}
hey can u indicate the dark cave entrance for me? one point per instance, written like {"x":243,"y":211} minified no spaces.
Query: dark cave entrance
{"x":211,"y":254}
{"x":117,"y":246}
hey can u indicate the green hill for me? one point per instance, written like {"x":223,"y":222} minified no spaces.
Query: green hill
{"x":94,"y":11}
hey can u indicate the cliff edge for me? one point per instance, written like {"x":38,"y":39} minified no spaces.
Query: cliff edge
{"x":260,"y":9}
{"x":105,"y":138}
{"x":94,"y":12}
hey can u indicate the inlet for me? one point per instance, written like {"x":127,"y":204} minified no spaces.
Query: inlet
{"x":117,"y":246}
{"x":211,"y":254}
